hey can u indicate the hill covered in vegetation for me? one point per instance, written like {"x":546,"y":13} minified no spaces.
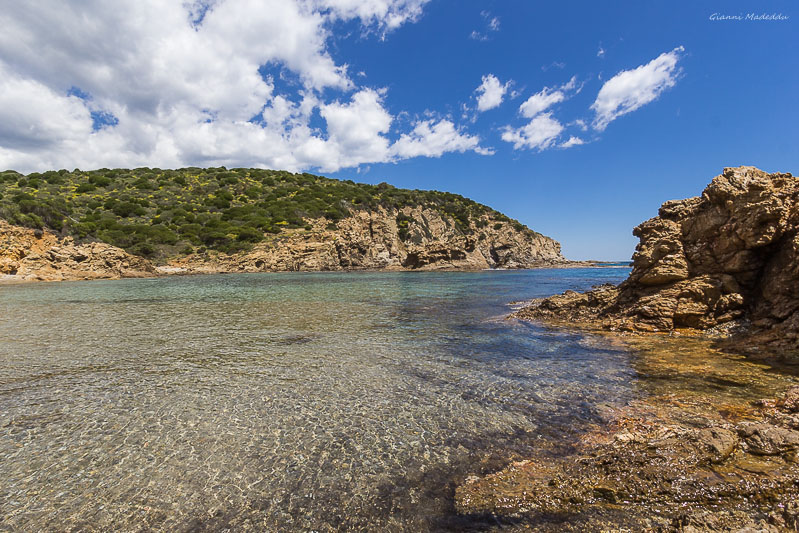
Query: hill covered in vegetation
{"x":154,"y":213}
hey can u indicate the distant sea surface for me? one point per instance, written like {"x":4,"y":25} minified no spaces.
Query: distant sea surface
{"x":284,"y":402}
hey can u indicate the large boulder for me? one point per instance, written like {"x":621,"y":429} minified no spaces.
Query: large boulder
{"x":729,"y":256}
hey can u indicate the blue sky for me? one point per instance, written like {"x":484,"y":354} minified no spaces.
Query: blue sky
{"x":593,"y":115}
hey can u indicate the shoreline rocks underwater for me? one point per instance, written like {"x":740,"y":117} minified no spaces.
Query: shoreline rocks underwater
{"x":719,"y":272}
{"x":715,"y":275}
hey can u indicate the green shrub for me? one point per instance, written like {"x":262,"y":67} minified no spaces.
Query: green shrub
{"x":403,"y":226}
{"x":100,"y":181}
{"x":143,"y":184}
{"x":247,"y":234}
{"x":217,"y":208}
{"x":127,"y":209}
{"x":144,"y":249}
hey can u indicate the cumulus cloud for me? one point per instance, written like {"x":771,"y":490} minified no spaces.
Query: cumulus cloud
{"x":183,"y":83}
{"x":572,"y":141}
{"x":23,"y":101}
{"x":539,"y":134}
{"x":630,"y":89}
{"x":432,"y":139}
{"x":355,"y":130}
{"x":490,"y":93}
{"x":384,"y":14}
{"x":543,"y":130}
{"x":546,"y":98}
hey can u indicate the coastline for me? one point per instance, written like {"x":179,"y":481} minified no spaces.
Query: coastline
{"x":171,"y":271}
{"x":671,"y":460}
{"x":711,"y":300}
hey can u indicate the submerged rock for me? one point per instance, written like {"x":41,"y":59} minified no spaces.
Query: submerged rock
{"x":729,"y":257}
{"x":661,"y":475}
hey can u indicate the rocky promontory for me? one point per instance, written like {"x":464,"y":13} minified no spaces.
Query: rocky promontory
{"x":726,"y":261}
{"x":375,"y":240}
{"x":368,"y":240}
{"x":147,"y":221}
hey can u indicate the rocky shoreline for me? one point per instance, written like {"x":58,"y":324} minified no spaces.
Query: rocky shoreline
{"x":725,"y":264}
{"x":648,"y":471}
{"x":719,"y":272}
{"x":367,"y":240}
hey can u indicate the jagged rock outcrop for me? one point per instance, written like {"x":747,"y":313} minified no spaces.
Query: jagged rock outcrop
{"x":36,"y":255}
{"x":409,"y":239}
{"x":729,"y":256}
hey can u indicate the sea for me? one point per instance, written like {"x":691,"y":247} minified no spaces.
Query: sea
{"x":287,"y":401}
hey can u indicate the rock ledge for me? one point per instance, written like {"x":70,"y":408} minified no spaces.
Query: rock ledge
{"x":726,"y":259}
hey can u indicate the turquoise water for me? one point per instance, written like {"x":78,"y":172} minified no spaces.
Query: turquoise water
{"x":284,"y":402}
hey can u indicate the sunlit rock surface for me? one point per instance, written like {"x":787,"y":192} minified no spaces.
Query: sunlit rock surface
{"x":726,"y":259}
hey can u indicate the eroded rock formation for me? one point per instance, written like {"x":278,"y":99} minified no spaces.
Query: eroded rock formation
{"x":730,"y":256}
{"x":411,"y":239}
{"x":370,"y":240}
{"x":35,"y":255}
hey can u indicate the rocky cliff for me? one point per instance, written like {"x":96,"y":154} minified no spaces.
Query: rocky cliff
{"x":729,"y":257}
{"x":382,"y":239}
{"x":388,"y":239}
{"x":36,"y":255}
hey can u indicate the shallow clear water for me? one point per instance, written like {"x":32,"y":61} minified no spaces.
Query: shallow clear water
{"x":307,"y":401}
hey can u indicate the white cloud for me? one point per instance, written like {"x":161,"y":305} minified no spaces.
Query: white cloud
{"x":580,"y":123}
{"x":385,"y":14}
{"x":490,"y":93}
{"x":492,"y":25}
{"x":23,"y":101}
{"x":355,"y":131}
{"x":572,"y":141}
{"x":546,"y":98}
{"x":540,"y":101}
{"x":630,"y":89}
{"x":540,"y":133}
{"x":543,"y":130}
{"x":182,"y":79}
{"x":432,"y":139}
